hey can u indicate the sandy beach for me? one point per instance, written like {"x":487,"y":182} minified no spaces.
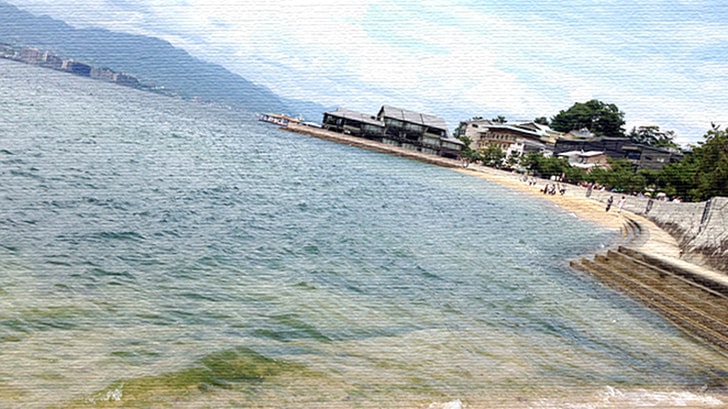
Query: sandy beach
{"x":651,"y":239}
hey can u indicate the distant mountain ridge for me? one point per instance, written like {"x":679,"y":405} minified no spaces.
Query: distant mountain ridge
{"x":151,"y":60}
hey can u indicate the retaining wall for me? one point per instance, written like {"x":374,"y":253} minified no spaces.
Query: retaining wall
{"x":701,"y":229}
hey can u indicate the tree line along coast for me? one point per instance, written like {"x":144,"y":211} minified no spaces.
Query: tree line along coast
{"x":587,"y":145}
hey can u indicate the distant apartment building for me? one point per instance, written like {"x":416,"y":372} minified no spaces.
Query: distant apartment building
{"x":47,"y":59}
{"x":77,"y":68}
{"x":52,"y":61}
{"x":30,"y":55}
{"x":126,"y":79}
{"x":398,"y":127}
{"x":104,"y":74}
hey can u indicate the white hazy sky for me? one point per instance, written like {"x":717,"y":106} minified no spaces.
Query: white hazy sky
{"x":663,"y":63}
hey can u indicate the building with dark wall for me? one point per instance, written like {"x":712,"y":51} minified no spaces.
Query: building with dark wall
{"x":397,"y":127}
{"x":611,"y":146}
{"x":78,"y":68}
{"x":642,"y":156}
{"x":354,"y":123}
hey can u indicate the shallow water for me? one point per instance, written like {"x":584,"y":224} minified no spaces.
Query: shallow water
{"x":157,"y":252}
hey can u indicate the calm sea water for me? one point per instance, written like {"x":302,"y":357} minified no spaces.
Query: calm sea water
{"x":162,"y":253}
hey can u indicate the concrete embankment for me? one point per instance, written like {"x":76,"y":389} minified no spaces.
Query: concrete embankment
{"x":692,"y":302}
{"x":371,"y":145}
{"x":701,"y":229}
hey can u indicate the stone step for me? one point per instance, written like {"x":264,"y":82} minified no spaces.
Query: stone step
{"x":673,"y":285}
{"x":683,"y":318}
{"x":646,"y":289}
{"x":718,"y":286}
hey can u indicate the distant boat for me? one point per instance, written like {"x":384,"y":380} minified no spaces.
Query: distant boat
{"x":279,"y":119}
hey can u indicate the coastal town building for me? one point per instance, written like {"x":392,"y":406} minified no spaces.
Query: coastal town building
{"x":354,"y":123}
{"x":46,"y":59}
{"x":484,"y":133}
{"x":279,"y":119}
{"x":397,"y":127}
{"x":473,"y":130}
{"x":522,"y":147}
{"x":586,"y":160}
{"x":641,"y":156}
{"x":652,"y":158}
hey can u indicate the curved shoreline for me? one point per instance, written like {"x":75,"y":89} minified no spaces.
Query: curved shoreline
{"x":652,"y":239}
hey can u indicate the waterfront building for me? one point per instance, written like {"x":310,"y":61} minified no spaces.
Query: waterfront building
{"x":505,"y":135}
{"x":278,"y":119}
{"x":354,"y":123}
{"x":473,"y":129}
{"x":397,"y":127}
{"x":650,"y":157}
{"x":522,"y":147}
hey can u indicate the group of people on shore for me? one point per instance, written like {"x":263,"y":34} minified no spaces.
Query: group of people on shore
{"x":552,"y":188}
{"x":620,"y":204}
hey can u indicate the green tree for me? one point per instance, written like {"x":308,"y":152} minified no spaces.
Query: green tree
{"x":680,"y":179}
{"x":574,"y":175}
{"x":492,"y":156}
{"x":541,"y":120}
{"x":545,"y":167}
{"x":711,"y":156}
{"x":703,"y":174}
{"x":468,"y":153}
{"x":500,"y":119}
{"x":513,"y":160}
{"x":652,"y":135}
{"x":598,"y":117}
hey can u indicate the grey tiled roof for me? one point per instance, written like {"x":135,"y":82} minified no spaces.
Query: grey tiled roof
{"x":414,"y":117}
{"x":356,"y":116}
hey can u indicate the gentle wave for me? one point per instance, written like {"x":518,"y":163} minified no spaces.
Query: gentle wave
{"x":164,"y":252}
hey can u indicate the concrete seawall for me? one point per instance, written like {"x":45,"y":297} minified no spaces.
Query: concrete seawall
{"x":701,"y":229}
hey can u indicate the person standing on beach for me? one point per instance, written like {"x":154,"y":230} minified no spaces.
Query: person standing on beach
{"x":621,"y":204}
{"x":609,"y":202}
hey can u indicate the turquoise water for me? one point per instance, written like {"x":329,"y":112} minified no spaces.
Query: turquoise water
{"x":161,"y":253}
